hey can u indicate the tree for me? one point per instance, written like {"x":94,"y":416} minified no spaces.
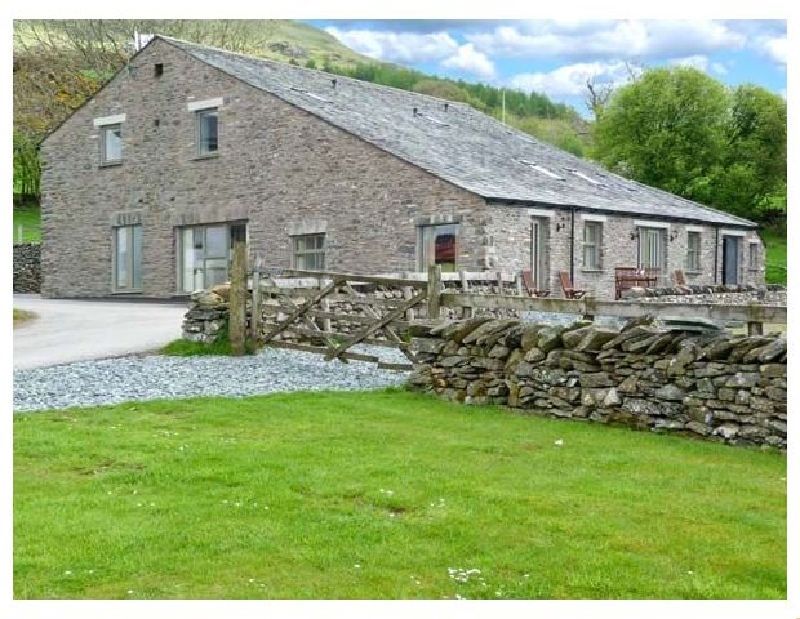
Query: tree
{"x":680,"y":130}
{"x":666,"y":129}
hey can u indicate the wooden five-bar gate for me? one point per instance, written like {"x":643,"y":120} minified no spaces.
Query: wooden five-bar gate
{"x":303,"y":305}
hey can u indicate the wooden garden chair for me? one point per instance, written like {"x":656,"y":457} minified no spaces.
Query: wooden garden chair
{"x":530,"y":286}
{"x":566,"y":285}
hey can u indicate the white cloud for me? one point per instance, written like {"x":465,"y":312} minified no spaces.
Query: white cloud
{"x":407,"y":47}
{"x":469,"y":60}
{"x":696,"y":62}
{"x":609,"y":39}
{"x":570,"y":80}
{"x":775,"y":48}
{"x":719,"y":68}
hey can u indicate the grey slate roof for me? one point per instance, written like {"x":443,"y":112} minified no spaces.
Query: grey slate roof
{"x":461,"y":145}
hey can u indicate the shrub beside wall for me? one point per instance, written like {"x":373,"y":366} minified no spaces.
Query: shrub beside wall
{"x":710,"y":385}
{"x":27,"y":267}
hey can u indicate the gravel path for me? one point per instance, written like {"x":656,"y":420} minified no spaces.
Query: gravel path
{"x":110,"y":381}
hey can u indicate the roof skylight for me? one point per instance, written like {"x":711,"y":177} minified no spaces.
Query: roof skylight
{"x":542,"y":170}
{"x":436,"y":121}
{"x":588,"y":179}
{"x":309,"y":94}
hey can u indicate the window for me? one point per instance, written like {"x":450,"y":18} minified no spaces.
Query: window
{"x":206,"y":122}
{"x":753,"y":257}
{"x":651,"y":248}
{"x":110,"y":144}
{"x":159,"y":69}
{"x":308,"y":252}
{"x":128,"y":258}
{"x":437,"y":245}
{"x":592,"y":242}
{"x":693,"y":252}
{"x":204,"y":254}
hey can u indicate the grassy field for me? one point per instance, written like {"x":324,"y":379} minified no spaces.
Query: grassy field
{"x":775,"y":242}
{"x":22,"y":316}
{"x":384,"y":495}
{"x":30,"y":220}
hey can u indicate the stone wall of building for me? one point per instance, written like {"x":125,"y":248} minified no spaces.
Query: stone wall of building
{"x":711,"y":385}
{"x":282,"y":170}
{"x":27,"y":267}
{"x":507,"y":244}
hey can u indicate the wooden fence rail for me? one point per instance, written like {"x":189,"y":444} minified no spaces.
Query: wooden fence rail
{"x":303,"y":304}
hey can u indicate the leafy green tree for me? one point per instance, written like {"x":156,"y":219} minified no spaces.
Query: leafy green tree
{"x":680,"y":130}
{"x":665,"y":130}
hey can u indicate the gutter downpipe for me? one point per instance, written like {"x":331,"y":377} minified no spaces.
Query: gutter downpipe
{"x":572,"y":245}
{"x":716,"y":253}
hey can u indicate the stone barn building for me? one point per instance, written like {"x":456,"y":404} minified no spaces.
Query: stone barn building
{"x":144,"y":186}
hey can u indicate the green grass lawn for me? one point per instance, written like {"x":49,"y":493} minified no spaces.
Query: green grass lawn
{"x":30,"y":220}
{"x":775,"y":242}
{"x":384,"y":495}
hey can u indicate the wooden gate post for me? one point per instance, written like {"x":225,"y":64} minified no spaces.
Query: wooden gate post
{"x":434,"y":291}
{"x":236,"y":320}
{"x":257,"y":317}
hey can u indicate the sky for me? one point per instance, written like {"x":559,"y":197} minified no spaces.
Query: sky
{"x":557,"y":56}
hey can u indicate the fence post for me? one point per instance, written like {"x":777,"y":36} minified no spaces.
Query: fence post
{"x":408,"y":292}
{"x":325,"y":304}
{"x":434,"y":291}
{"x":256,"y":317}
{"x":755,"y":328}
{"x":236,"y":320}
{"x":466,"y":312}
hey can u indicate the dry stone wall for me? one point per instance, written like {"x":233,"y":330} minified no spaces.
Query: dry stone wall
{"x":27,"y":267}
{"x":711,"y":384}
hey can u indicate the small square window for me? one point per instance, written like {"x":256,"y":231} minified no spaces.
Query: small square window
{"x":206,"y":124}
{"x":110,"y":144}
{"x":308,"y":252}
{"x":159,"y":69}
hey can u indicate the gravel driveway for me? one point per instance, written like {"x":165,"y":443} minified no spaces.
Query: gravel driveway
{"x":110,"y":381}
{"x":68,"y":330}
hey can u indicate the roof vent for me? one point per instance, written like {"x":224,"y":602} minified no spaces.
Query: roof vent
{"x":446,"y":106}
{"x":333,"y":81}
{"x":415,"y":111}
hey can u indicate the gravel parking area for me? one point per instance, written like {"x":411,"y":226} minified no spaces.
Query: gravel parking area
{"x":111,"y":381}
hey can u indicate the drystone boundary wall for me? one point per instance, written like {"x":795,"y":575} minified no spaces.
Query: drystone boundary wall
{"x":27,"y":267}
{"x":710,"y":385}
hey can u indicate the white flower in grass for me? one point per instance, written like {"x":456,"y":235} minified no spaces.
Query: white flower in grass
{"x":136,"y":492}
{"x":690,"y":572}
{"x":130,"y":591}
{"x":152,"y":504}
{"x":109,"y":492}
{"x":559,"y":442}
{"x":91,"y":571}
{"x":356,"y":566}
{"x":238,"y":504}
{"x":225,"y":501}
{"x":252,"y":580}
{"x":68,"y":573}
{"x":138,"y":505}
